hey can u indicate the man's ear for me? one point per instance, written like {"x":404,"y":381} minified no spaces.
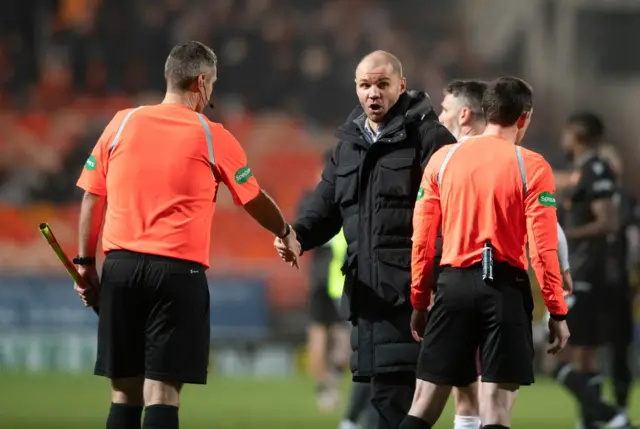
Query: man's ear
{"x":196,"y":84}
{"x":403,"y":85}
{"x":522,"y":120}
{"x":464,"y":117}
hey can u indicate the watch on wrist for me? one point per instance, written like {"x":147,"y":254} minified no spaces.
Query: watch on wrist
{"x":287,"y":231}
{"x":558,"y":317}
{"x":84,"y":260}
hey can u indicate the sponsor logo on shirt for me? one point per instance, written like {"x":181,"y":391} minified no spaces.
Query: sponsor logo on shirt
{"x":547,"y":199}
{"x":420,"y":193}
{"x":91,"y":163}
{"x":603,"y":185}
{"x":243,"y":174}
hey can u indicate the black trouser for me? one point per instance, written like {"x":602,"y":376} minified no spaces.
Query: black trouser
{"x":391,"y":396}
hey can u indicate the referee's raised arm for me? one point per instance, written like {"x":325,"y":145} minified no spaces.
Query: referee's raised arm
{"x":232,"y":169}
{"x":157,"y":170}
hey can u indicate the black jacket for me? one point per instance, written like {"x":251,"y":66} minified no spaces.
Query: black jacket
{"x":320,"y":259}
{"x":370,"y":189}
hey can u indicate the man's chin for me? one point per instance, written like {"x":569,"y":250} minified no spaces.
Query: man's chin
{"x":376,"y":116}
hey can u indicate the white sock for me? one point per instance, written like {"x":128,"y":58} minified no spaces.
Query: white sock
{"x":466,"y":422}
{"x":347,"y":424}
{"x":619,"y":421}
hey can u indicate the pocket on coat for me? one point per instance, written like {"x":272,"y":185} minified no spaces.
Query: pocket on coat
{"x":346,"y":186}
{"x":396,"y":178}
{"x":394,"y":275}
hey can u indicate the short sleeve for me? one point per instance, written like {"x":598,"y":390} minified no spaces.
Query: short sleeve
{"x":231,"y":163}
{"x":600,"y":180}
{"x":93,"y":177}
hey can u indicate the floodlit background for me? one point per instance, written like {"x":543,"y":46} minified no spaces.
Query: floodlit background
{"x":285,"y":83}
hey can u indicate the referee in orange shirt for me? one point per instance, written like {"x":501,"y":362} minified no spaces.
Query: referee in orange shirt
{"x":488,"y":193}
{"x":156,"y":170}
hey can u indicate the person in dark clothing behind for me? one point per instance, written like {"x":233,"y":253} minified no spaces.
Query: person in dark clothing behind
{"x":369,"y":189}
{"x":622,"y":258}
{"x":590,"y":217}
{"x":326,"y":326}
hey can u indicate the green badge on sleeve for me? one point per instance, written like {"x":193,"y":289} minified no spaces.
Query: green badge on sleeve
{"x":91,"y":163}
{"x":420,"y":193}
{"x":243,"y":174}
{"x":547,"y":199}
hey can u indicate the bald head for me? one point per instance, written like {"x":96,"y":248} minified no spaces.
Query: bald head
{"x":379,"y":84}
{"x":380,"y":59}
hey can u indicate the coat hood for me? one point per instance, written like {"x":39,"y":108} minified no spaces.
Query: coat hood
{"x":412,"y":105}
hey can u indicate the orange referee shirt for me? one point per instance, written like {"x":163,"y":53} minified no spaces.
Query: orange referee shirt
{"x":486,"y":188}
{"x":160,"y":167}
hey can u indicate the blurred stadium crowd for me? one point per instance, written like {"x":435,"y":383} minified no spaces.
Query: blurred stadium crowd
{"x":276,"y":61}
{"x":285,"y":83}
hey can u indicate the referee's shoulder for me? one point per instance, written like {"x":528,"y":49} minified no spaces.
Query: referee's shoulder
{"x":441,"y":153}
{"x":223,"y":139}
{"x":437,"y":160}
{"x":121,"y":114}
{"x":118,"y":119}
{"x":534,"y":160}
{"x":216,"y":127}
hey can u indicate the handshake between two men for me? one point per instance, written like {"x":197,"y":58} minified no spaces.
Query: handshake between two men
{"x":288,"y":248}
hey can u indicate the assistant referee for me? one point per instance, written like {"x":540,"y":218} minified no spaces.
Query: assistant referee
{"x":488,"y":193}
{"x":157,"y":170}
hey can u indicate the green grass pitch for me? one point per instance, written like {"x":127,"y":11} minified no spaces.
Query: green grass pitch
{"x":56,"y":401}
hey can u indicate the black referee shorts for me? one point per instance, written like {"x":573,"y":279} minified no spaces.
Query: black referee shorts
{"x":469,"y":314}
{"x":154,"y":319}
{"x":586,"y":306}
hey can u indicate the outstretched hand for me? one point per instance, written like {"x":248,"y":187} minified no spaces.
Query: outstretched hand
{"x":288,"y":248}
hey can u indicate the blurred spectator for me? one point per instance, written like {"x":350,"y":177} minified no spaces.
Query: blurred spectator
{"x":88,"y":58}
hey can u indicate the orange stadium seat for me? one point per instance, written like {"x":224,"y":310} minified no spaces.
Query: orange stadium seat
{"x":287,"y":175}
{"x":15,"y":228}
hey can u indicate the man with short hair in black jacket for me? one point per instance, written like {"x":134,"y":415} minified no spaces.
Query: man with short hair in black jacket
{"x":369,"y":188}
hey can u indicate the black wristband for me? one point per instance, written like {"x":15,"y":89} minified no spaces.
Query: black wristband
{"x":86,"y":260}
{"x":287,"y":231}
{"x":558,"y":317}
